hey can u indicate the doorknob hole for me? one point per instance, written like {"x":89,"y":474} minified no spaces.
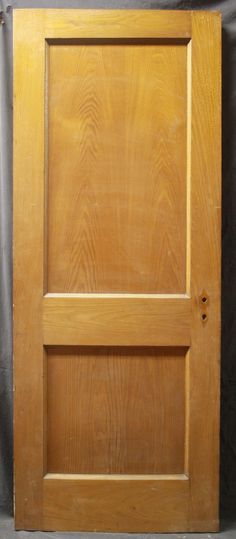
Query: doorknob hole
{"x":204,"y":299}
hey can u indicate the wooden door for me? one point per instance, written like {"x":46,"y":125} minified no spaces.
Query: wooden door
{"x":117,"y":269}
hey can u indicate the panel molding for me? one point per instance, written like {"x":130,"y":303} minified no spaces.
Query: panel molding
{"x":118,"y":477}
{"x":69,"y":295}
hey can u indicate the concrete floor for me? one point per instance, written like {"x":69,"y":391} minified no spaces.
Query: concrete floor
{"x":7,"y":532}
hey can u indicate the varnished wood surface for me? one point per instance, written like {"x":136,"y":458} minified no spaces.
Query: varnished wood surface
{"x":116,"y":321}
{"x":116,"y":410}
{"x":28,"y":276}
{"x":118,"y":505}
{"x":58,"y":24}
{"x":122,"y":502}
{"x":117,"y":128}
{"x":204,"y":361}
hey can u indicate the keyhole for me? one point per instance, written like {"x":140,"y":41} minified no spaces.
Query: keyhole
{"x":204,"y":317}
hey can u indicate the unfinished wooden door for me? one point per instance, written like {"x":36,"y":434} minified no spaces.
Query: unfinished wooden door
{"x":117,"y":269}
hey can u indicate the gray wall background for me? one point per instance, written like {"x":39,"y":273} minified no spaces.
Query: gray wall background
{"x":228,"y":409}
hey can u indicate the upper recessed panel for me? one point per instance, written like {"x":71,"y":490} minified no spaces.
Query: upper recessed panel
{"x":117,"y":131}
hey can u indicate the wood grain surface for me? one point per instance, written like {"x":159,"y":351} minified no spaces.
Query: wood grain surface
{"x":115,"y":320}
{"x":116,"y":410}
{"x":117,"y":124}
{"x":117,"y":168}
{"x":204,"y":365}
{"x":119,"y":504}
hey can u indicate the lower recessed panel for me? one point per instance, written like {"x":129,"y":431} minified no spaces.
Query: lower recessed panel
{"x":115,"y":410}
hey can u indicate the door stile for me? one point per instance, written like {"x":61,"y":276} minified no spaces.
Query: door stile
{"x":28,"y":200}
{"x":204,"y":360}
